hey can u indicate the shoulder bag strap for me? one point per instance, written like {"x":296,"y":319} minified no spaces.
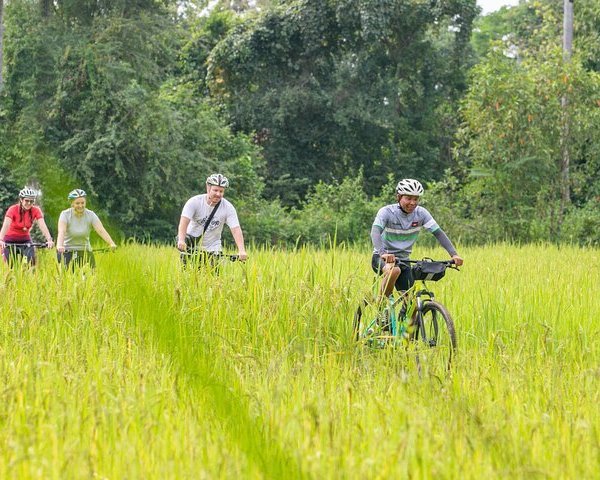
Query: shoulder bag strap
{"x":210,"y":217}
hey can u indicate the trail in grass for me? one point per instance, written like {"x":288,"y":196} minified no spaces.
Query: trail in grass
{"x":204,"y":369}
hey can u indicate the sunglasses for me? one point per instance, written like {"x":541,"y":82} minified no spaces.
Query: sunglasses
{"x":28,"y":201}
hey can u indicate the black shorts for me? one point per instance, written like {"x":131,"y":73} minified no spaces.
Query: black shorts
{"x":76,"y":258}
{"x":404,"y":281}
{"x":12,"y":253}
{"x":199,"y":258}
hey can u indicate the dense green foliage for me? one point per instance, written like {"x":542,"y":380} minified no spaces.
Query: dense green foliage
{"x":309,"y":107}
{"x":521,"y":113}
{"x":329,"y":87}
{"x":104,"y":105}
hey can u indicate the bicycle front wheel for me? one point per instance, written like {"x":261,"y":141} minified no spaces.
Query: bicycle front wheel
{"x":436,"y":336}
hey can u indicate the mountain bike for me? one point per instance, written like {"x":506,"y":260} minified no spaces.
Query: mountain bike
{"x":23,"y":252}
{"x":204,"y":259}
{"x":413,"y":320}
{"x":72,"y":258}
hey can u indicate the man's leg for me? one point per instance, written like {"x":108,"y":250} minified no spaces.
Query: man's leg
{"x":391,"y":272}
{"x":405,"y":282}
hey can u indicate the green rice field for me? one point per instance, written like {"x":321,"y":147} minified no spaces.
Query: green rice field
{"x":142,"y":370}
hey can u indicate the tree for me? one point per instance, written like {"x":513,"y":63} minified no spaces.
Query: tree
{"x":92,"y":90}
{"x":329,"y":87}
{"x":512,"y":138}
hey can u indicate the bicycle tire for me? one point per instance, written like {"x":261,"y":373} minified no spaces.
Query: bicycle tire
{"x":437,"y":334}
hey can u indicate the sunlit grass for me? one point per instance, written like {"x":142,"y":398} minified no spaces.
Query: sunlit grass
{"x":143,"y":370}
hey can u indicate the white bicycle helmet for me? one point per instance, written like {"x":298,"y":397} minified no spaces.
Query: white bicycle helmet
{"x":76,"y":194}
{"x":27,"y":192}
{"x":408,"y":186}
{"x":217,"y":180}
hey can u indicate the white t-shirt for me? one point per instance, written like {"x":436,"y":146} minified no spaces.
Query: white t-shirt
{"x":198,"y":211}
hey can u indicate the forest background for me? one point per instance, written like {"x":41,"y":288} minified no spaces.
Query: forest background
{"x":313,"y":108}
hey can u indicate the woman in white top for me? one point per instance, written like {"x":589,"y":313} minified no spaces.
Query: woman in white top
{"x":74,"y":227}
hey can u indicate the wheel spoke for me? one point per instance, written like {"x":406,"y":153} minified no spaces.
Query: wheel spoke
{"x":437,"y":338}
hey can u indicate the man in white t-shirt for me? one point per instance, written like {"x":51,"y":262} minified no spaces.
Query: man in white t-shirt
{"x":198,"y":211}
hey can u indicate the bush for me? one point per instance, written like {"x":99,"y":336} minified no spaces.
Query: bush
{"x":332,"y":214}
{"x":266,"y":223}
{"x":337,"y":212}
{"x":582,"y":225}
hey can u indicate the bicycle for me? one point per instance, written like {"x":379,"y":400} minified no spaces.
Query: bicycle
{"x":72,"y":258}
{"x":201,"y":258}
{"x":413,"y":319}
{"x":25,"y":250}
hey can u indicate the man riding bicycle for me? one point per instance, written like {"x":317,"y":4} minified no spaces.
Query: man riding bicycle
{"x":203,"y":218}
{"x":394,"y":232}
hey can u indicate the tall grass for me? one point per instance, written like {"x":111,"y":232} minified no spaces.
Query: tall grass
{"x":144,"y":370}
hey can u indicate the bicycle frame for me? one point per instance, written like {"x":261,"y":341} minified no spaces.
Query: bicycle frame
{"x":13,"y":255}
{"x":414,"y":299}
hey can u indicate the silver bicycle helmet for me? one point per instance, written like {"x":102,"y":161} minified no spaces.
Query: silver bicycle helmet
{"x":76,"y":194}
{"x":27,"y":192}
{"x":408,"y":186}
{"x":217,"y":180}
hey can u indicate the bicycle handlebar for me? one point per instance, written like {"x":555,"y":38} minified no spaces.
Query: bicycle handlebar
{"x":426,"y":259}
{"x":231,"y":258}
{"x":28,"y":244}
{"x":407,"y":262}
{"x":103,"y":250}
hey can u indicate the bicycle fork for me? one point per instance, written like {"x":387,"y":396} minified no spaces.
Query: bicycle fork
{"x":421,"y":297}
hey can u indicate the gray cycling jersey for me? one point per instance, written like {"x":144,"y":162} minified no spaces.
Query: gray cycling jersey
{"x":399,"y":230}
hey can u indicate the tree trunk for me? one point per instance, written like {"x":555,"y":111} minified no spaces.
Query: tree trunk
{"x":45,"y":7}
{"x":565,"y":197}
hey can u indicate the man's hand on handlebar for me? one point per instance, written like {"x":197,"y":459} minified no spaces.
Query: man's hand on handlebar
{"x":458,"y":261}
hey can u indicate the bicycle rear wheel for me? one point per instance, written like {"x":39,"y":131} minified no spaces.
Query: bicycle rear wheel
{"x":436,"y":337}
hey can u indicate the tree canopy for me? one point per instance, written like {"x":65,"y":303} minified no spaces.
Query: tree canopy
{"x":328,"y":87}
{"x":138,"y":101}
